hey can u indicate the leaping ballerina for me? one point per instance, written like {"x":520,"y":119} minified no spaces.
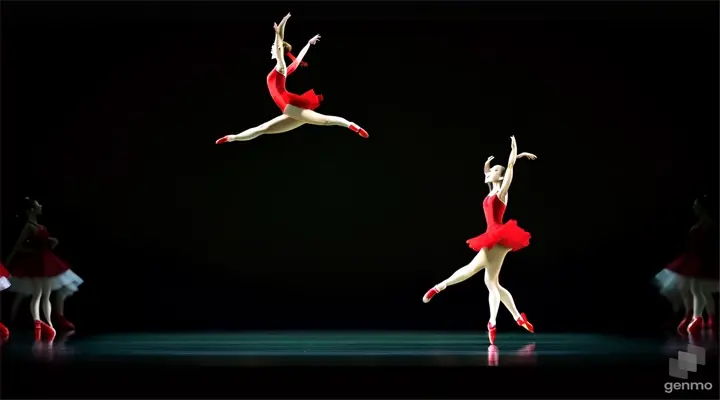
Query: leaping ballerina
{"x":493,"y":245}
{"x":297,"y":109}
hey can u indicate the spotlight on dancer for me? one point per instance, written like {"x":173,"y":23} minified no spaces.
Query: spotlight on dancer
{"x":493,"y":245}
{"x":297,"y":110}
{"x":37,"y":272}
{"x":693,"y":276}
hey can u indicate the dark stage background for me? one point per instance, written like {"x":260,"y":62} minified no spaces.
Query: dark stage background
{"x":110,"y":113}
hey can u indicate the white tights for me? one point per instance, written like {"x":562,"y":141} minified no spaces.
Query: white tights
{"x":490,"y":260}
{"x":41,"y":297}
{"x":696,"y":300}
{"x":293,"y":118}
{"x":60,"y":296}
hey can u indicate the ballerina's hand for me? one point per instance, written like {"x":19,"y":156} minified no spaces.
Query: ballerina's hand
{"x":490,"y":159}
{"x":529,"y":156}
{"x":513,"y":143}
{"x":314,"y":40}
{"x":275,"y":27}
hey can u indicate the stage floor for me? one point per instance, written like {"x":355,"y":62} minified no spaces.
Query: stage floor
{"x":182,"y":357}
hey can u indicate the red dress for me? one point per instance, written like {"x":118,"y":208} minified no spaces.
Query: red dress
{"x":280,"y":95}
{"x":507,"y":234}
{"x":700,"y":259}
{"x":42,"y":263}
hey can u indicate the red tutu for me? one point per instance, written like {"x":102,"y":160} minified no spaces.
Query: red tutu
{"x":42,"y":263}
{"x":276,"y":84}
{"x":3,"y":272}
{"x":507,"y":234}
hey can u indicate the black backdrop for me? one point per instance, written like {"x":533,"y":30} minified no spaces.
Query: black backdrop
{"x":109,"y":115}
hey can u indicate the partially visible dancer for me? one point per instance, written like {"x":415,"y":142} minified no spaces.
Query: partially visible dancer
{"x":499,"y":239}
{"x":37,"y":272}
{"x":4,"y":284}
{"x":693,"y":276}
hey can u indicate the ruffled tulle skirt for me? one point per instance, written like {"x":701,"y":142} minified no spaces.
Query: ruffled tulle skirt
{"x":671,"y":283}
{"x":43,"y":264}
{"x":67,"y":280}
{"x":508,"y":235}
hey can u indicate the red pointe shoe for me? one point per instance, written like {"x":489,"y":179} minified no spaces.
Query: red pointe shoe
{"x":63,"y":323}
{"x":696,"y":325}
{"x":430,"y":294}
{"x":682,"y":328}
{"x":4,"y":332}
{"x":223,"y":139}
{"x":360,"y":131}
{"x":492,"y":330}
{"x":522,"y":321}
{"x":43,"y":329}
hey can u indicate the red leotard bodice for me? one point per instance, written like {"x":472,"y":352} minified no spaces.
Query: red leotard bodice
{"x":494,"y":210}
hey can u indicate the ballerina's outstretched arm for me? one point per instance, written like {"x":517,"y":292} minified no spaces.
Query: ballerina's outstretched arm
{"x":299,"y":60}
{"x":507,"y":179}
{"x":278,"y":50}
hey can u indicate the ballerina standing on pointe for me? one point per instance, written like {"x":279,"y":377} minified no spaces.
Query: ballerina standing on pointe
{"x":37,"y":272}
{"x":297,"y":109}
{"x":693,"y":276}
{"x":493,"y":245}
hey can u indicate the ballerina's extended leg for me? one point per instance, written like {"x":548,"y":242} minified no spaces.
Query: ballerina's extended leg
{"x":699,"y":302}
{"x":280,"y":124}
{"x":476,"y":265}
{"x":314,"y":118}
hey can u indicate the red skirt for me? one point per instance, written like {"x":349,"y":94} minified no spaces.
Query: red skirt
{"x":695,"y":265}
{"x":508,"y":235}
{"x":38,"y":265}
{"x":3,"y":272}
{"x":276,"y":84}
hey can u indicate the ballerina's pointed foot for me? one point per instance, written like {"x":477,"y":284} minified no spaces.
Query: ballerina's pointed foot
{"x":64,"y":324}
{"x":696,"y":325}
{"x":44,"y":330}
{"x":492,"y":331}
{"x":430,"y":294}
{"x":224,"y":139}
{"x":360,"y":131}
{"x":522,"y":321}
{"x":682,"y":328}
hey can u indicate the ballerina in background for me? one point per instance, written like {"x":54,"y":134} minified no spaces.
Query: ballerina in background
{"x":37,"y":271}
{"x":297,"y":109}
{"x":693,"y":276}
{"x":493,"y":245}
